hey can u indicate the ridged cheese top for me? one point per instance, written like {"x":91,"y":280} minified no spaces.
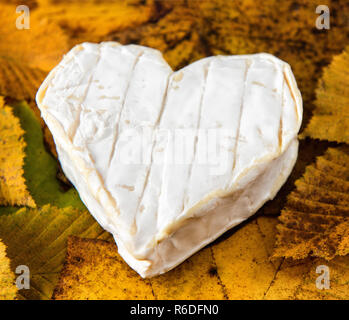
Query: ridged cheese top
{"x":102,"y":99}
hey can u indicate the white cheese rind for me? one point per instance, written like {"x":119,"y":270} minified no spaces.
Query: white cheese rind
{"x":102,"y":97}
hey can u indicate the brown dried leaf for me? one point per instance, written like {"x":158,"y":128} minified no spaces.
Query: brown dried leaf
{"x":176,"y":34}
{"x":32,"y":4}
{"x":315,"y":220}
{"x":13,"y":190}
{"x":284,"y":28}
{"x":19,"y":81}
{"x":308,"y":151}
{"x":330,"y":119}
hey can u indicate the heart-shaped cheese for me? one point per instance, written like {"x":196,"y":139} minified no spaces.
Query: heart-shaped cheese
{"x":168,"y":161}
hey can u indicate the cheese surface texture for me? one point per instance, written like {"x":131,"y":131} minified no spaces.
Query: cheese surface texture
{"x":168,"y":161}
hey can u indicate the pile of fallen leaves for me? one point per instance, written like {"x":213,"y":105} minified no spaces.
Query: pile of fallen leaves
{"x":274,"y":255}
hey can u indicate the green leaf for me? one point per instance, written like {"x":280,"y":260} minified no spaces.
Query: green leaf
{"x":40,"y":167}
{"x":37,"y":238}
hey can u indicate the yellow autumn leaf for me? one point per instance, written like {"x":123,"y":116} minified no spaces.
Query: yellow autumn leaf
{"x":94,"y":20}
{"x":330,"y":119}
{"x":13,"y":190}
{"x":90,"y":259}
{"x":338,"y":280}
{"x":25,"y":53}
{"x":237,"y":267}
{"x":315,"y":220}
{"x":8,"y":289}
{"x":299,"y":280}
{"x":94,"y":270}
{"x":41,"y":46}
{"x":232,"y":268}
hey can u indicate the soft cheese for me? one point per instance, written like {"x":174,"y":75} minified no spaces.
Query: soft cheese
{"x":131,"y":136}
